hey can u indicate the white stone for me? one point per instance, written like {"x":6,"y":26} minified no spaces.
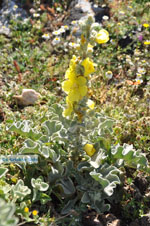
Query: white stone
{"x":28,"y":97}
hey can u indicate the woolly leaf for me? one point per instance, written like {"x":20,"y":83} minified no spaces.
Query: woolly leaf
{"x":3,"y":171}
{"x":69,"y":206}
{"x":51,"y":127}
{"x":7,"y":211}
{"x":24,"y":128}
{"x":67,"y":186}
{"x":107,"y":177}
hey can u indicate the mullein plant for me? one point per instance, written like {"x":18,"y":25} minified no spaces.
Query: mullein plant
{"x":78,"y":74}
{"x":78,"y":164}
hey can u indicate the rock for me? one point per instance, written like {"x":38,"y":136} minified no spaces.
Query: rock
{"x":28,"y":97}
{"x":79,"y":9}
{"x":82,"y":8}
{"x":99,"y":12}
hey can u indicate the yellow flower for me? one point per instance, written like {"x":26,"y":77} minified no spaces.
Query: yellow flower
{"x":67,"y":112}
{"x":145,"y":25}
{"x":88,"y":66}
{"x":147,"y":43}
{"x":90,"y":104}
{"x":14,"y":179}
{"x":34,"y":212}
{"x":26,"y":210}
{"x":109,"y":74}
{"x":70,"y":73}
{"x":67,"y":85}
{"x":89,"y":149}
{"x":73,"y":60}
{"x":69,"y":109}
{"x":102,"y":36}
{"x":90,"y":48}
{"x":78,"y":89}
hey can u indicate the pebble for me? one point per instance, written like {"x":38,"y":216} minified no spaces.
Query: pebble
{"x":28,"y":97}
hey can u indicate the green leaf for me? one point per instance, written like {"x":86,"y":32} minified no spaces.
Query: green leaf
{"x":7,"y":211}
{"x":44,"y":198}
{"x":69,"y":206}
{"x":3,"y":171}
{"x":19,"y":191}
{"x":67,"y":186}
{"x":51,"y":127}
{"x":97,"y":158}
{"x":53,"y":155}
{"x":24,"y":128}
{"x":30,"y":147}
{"x":54,"y":175}
{"x":35,"y":147}
{"x":107,"y":178}
{"x":130,"y":156}
{"x":83,"y":166}
{"x":85,"y":198}
{"x":39,"y":184}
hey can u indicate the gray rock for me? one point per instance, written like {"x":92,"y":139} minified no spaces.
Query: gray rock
{"x":11,"y":9}
{"x":81,"y":8}
{"x":28,"y":97}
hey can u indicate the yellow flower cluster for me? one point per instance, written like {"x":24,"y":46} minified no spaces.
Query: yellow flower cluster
{"x":77,"y":75}
{"x":75,"y":85}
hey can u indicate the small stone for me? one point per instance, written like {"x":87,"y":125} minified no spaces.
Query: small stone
{"x":28,"y":97}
